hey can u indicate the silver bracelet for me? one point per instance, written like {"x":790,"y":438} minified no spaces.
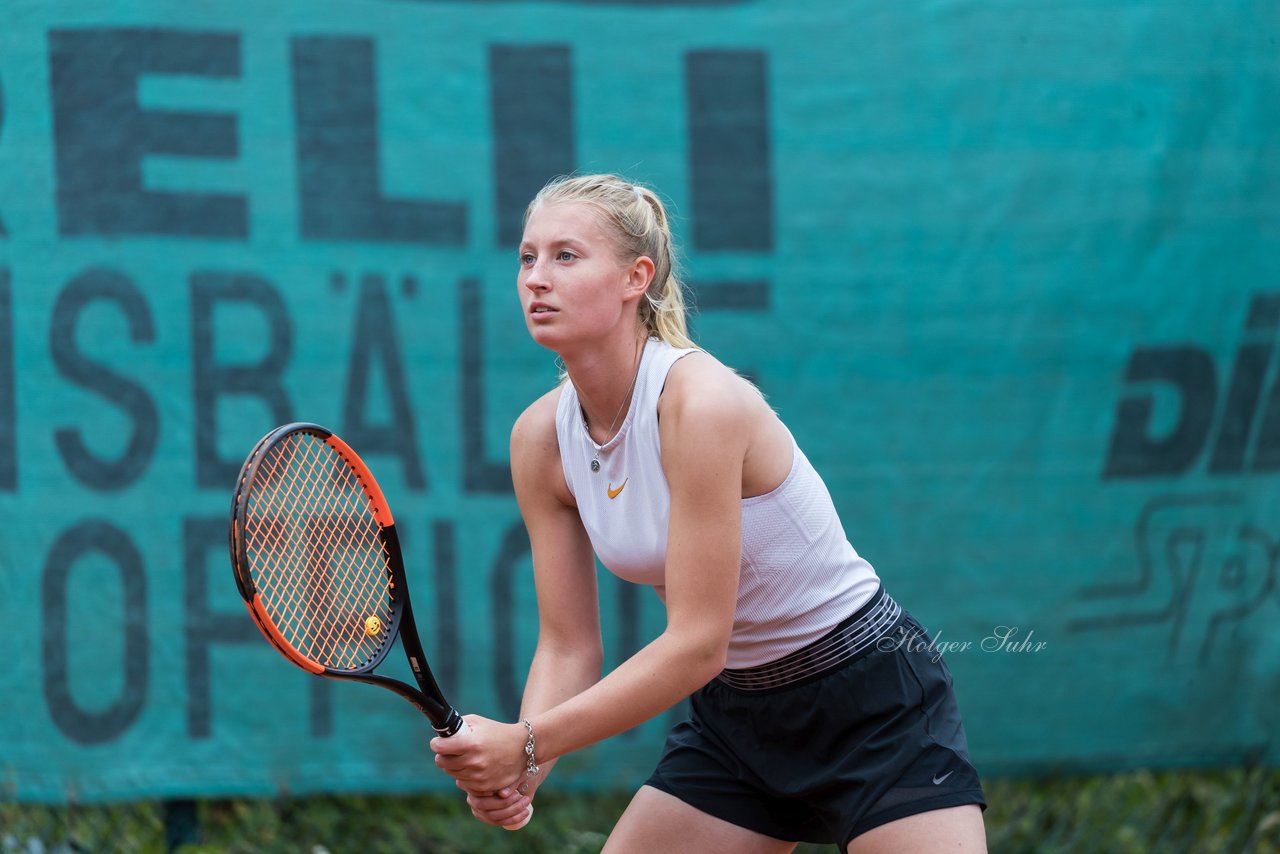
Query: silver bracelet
{"x":532,"y":768}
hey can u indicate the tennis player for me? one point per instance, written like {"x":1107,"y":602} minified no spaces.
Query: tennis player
{"x":818,"y":712}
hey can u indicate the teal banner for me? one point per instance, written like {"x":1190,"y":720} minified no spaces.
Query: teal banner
{"x":1008,"y":271}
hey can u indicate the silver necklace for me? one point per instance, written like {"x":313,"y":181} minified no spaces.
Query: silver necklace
{"x":595,"y":458}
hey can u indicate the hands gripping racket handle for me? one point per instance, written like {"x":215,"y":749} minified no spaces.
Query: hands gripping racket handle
{"x":516,"y":823}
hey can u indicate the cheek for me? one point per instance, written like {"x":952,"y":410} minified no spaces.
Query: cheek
{"x":597,"y":309}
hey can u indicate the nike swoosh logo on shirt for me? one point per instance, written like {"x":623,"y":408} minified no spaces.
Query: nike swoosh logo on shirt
{"x":614,"y":493}
{"x":937,"y":781}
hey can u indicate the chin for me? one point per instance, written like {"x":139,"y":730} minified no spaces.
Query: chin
{"x":548,"y":338}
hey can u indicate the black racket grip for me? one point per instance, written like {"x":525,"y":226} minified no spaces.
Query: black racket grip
{"x":452,"y":723}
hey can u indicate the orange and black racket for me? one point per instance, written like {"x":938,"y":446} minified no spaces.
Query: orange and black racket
{"x":317,"y":561}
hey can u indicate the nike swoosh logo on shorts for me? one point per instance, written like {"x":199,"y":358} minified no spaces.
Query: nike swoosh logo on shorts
{"x":614,"y":493}
{"x":937,"y":781}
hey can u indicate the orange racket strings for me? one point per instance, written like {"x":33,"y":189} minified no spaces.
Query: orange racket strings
{"x":314,"y":552}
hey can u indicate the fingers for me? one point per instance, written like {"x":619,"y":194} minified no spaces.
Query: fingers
{"x":457,"y":756}
{"x":474,"y":774}
{"x":486,"y":756}
{"x":455,"y":765}
{"x":452,"y":745}
{"x":498,"y":809}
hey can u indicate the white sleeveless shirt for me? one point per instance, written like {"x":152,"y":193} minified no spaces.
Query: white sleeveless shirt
{"x":799,"y":575}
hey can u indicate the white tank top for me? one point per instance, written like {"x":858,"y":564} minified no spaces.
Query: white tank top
{"x":799,"y":575}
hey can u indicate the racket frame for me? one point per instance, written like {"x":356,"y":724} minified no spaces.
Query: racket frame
{"x":427,"y":697}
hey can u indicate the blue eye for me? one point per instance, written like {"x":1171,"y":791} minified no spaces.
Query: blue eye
{"x":566,"y":255}
{"x":526,"y":258}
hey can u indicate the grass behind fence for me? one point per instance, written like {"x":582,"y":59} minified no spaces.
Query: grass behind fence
{"x":1235,"y":810}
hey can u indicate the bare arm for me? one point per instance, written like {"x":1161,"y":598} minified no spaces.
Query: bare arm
{"x":568,"y":655}
{"x":706,"y":416}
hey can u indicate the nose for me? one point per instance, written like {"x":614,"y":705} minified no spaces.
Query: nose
{"x":535,"y":278}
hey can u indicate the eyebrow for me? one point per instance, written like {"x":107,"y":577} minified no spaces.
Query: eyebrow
{"x":575,"y":242}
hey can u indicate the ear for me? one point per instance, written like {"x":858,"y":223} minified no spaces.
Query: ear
{"x":639,"y":275}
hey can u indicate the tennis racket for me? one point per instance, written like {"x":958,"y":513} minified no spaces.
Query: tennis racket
{"x":317,"y":561}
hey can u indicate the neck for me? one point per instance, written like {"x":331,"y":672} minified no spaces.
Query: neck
{"x":604,"y":379}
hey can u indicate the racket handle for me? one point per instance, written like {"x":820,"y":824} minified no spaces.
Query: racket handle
{"x":520,"y":822}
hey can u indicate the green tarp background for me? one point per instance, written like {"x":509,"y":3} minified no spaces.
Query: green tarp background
{"x":1008,"y":270}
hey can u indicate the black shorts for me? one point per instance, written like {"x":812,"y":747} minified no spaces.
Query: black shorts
{"x":823,"y":759}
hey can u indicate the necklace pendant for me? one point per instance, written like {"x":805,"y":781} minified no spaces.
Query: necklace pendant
{"x":595,"y":464}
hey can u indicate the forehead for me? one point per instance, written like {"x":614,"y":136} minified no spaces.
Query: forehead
{"x":566,"y":221}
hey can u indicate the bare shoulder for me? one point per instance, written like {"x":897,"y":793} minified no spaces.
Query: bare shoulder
{"x":708,"y":412}
{"x":535,"y":450}
{"x":535,"y":429}
{"x":701,"y":386}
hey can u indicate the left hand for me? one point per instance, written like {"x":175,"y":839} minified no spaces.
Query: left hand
{"x":504,"y":807}
{"x":487,"y":759}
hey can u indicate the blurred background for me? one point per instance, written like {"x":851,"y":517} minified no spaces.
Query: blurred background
{"x":1008,"y":271}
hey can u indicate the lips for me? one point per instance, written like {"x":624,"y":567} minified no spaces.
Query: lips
{"x":541,"y":309}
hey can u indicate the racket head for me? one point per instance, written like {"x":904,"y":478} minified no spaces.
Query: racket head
{"x":315,"y":554}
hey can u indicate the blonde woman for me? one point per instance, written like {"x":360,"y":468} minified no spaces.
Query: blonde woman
{"x":817,"y":713}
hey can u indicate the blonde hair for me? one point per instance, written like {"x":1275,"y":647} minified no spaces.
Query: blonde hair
{"x":639,"y":221}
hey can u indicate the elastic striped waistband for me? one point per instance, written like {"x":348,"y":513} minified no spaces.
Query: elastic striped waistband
{"x":853,"y":638}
